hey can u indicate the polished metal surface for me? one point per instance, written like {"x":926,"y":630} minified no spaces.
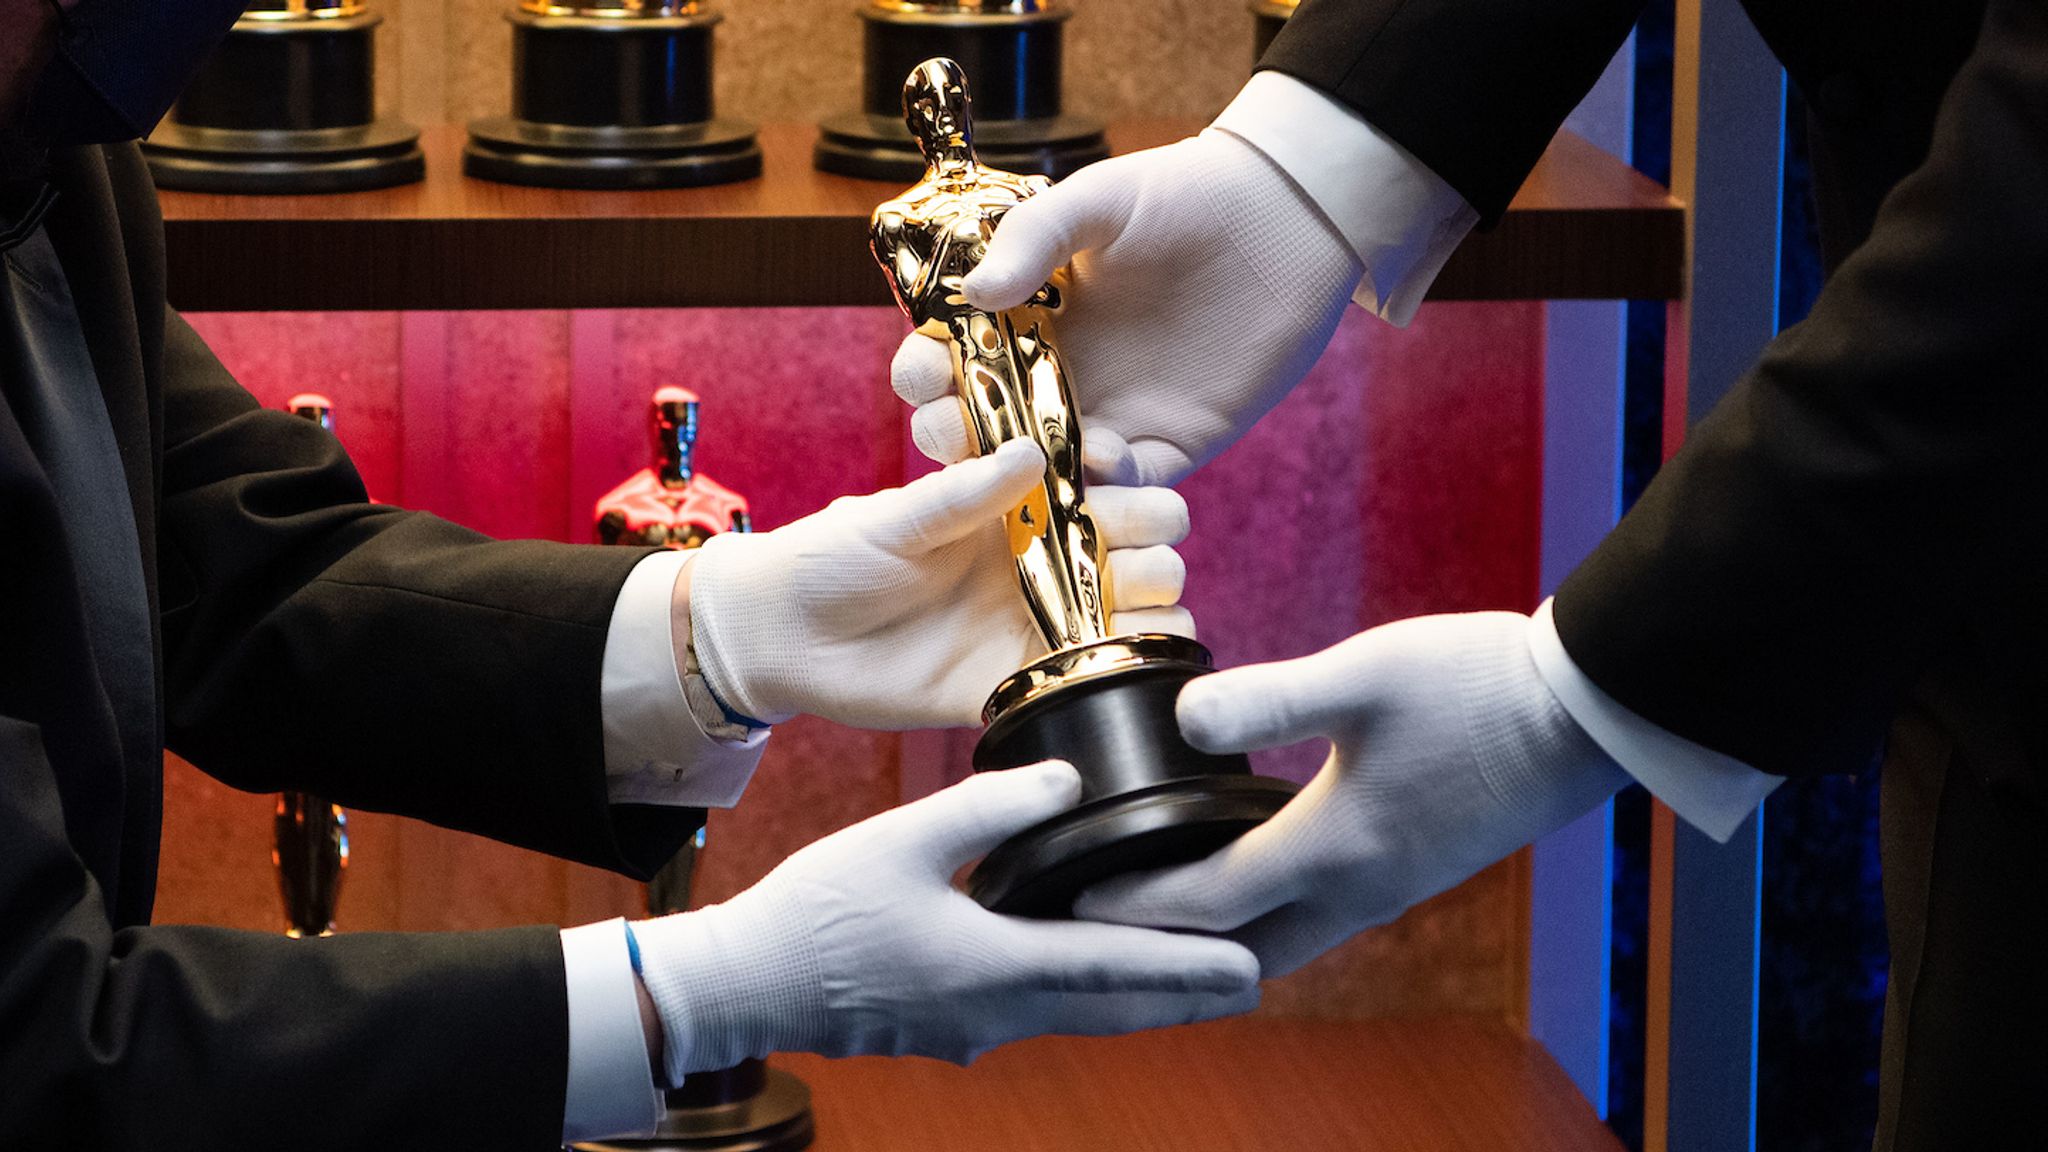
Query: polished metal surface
{"x":968,"y":8}
{"x":278,"y":11}
{"x":309,"y":843}
{"x":669,"y":504}
{"x":1011,"y":377}
{"x":1090,"y":662}
{"x":310,"y":852}
{"x":617,"y":9}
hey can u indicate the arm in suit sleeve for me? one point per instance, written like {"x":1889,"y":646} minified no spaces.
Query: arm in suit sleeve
{"x":168,"y":1038}
{"x":387,"y":659}
{"x":1873,"y":489}
{"x":1473,"y":90}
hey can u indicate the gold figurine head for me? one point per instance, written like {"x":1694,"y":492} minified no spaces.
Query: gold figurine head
{"x":939,"y":113}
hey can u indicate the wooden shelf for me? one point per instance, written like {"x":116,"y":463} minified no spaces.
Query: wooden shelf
{"x":1585,"y":226}
{"x":1232,"y":1086}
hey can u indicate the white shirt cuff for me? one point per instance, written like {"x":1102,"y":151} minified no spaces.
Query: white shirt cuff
{"x":611,"y":1083}
{"x":1708,"y":790}
{"x":656,"y":751}
{"x":1401,"y":219}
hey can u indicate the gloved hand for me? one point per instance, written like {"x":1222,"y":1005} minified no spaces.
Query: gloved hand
{"x":901,"y":609}
{"x":1448,"y":752}
{"x":860,"y":945}
{"x":1205,"y":285}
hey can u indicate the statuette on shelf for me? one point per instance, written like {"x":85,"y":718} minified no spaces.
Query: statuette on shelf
{"x":612,"y":94}
{"x":286,"y":103}
{"x":1012,"y":48}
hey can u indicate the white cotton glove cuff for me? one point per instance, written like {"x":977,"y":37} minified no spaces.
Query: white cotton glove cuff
{"x":733,"y":981}
{"x":739,"y":588}
{"x":1534,"y":758}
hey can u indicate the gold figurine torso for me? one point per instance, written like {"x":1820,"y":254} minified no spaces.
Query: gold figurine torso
{"x":1007,"y":367}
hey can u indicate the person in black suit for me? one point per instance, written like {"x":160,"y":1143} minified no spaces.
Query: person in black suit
{"x":1853,"y":541}
{"x":178,"y":565}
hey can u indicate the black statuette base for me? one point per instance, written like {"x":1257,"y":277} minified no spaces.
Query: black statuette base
{"x":513,"y":151}
{"x":880,"y":148}
{"x":1150,"y":799}
{"x":189,"y":158}
{"x":774,"y":1118}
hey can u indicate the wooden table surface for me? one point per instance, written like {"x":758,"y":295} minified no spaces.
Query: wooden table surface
{"x":1230,"y":1086}
{"x":1584,"y":226}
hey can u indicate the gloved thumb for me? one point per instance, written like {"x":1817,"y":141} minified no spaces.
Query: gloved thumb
{"x":1270,"y":705}
{"x":1086,"y":210}
{"x":936,"y":510}
{"x":964,"y":822}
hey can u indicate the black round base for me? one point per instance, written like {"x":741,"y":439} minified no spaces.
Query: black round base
{"x":1040,"y":871}
{"x":513,"y":151}
{"x":776,"y":1119}
{"x":188,"y":158}
{"x":1149,"y":798}
{"x":880,"y":147}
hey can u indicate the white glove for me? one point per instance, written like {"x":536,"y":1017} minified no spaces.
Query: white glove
{"x":860,"y":945}
{"x":1205,"y":286}
{"x":902,"y":609}
{"x":1448,"y":752}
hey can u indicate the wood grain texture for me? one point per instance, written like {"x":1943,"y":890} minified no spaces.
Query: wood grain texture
{"x":1441,"y":1085}
{"x":1585,"y":226}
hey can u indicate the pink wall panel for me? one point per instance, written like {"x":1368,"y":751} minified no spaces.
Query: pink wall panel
{"x":353,"y":357}
{"x":1402,"y":477}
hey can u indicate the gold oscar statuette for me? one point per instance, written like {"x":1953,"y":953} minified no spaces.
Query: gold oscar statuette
{"x":1103,"y":702}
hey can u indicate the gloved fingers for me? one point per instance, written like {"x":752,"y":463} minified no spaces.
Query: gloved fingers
{"x":922,"y":370}
{"x":1106,"y":458}
{"x":1138,"y":517}
{"x":1270,"y":705}
{"x":1146,"y":577}
{"x":962,"y":823}
{"x":939,"y":429}
{"x":935,"y":510}
{"x":1062,"y":1014}
{"x":1227,"y":889}
{"x":1287,"y":938}
{"x":1175,"y":621}
{"x":1156,"y":461}
{"x":1086,"y":210}
{"x":1078,"y":957}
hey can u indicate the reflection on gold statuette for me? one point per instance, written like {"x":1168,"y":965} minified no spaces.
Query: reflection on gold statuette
{"x":1101,"y":701}
{"x":1013,"y":382}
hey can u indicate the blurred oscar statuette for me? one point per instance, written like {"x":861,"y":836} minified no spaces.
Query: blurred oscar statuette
{"x":1101,"y":701}
{"x":612,"y":94}
{"x":310,"y":834}
{"x":1013,"y":50}
{"x":287,"y":103}
{"x":670,"y":504}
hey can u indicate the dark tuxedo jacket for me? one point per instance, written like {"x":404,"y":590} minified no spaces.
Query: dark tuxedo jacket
{"x":1856,"y":539}
{"x":308,"y":639}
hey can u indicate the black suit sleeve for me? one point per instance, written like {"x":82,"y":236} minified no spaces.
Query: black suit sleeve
{"x":1873,"y":490}
{"x":1474,"y":90}
{"x":201,"y":1038}
{"x":387,"y":659}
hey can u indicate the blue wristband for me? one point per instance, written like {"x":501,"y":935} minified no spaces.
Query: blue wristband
{"x":632,"y":948}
